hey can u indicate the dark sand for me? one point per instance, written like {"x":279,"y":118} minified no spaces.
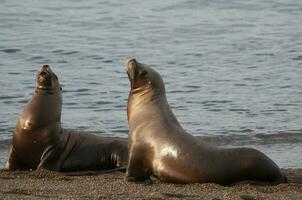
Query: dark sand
{"x":53,"y":185}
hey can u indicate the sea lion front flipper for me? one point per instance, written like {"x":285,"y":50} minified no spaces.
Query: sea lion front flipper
{"x":13,"y":163}
{"x":138,"y":170}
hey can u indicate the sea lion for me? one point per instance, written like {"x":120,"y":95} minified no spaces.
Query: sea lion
{"x":159,"y":146}
{"x":39,"y":141}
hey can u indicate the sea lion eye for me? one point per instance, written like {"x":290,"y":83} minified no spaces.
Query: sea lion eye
{"x":143,"y":73}
{"x":56,"y":77}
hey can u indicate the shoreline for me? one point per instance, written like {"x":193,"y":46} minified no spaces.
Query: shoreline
{"x":55,"y":185}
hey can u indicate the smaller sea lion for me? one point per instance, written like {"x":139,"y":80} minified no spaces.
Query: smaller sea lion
{"x":39,"y":141}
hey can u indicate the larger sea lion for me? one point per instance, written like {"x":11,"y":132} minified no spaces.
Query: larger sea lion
{"x":159,"y":146}
{"x":39,"y":141}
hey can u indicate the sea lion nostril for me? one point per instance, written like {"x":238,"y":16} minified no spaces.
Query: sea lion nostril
{"x":45,"y":66}
{"x":43,"y":74}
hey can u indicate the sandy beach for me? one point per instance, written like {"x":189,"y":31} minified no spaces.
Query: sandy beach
{"x":53,"y":185}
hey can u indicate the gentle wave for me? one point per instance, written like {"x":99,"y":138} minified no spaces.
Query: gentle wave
{"x":298,"y":58}
{"x":225,"y":74}
{"x":4,"y":144}
{"x":10,"y":50}
{"x":256,"y":139}
{"x":219,"y":140}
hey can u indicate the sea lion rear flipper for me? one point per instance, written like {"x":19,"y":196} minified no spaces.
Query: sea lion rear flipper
{"x":91,"y":173}
{"x":50,"y":158}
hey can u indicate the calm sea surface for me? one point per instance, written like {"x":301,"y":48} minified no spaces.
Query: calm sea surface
{"x":233,"y":69}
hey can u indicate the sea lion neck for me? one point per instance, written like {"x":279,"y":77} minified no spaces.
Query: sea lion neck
{"x":145,"y":95}
{"x":54,"y":91}
{"x":41,"y":110}
{"x":146,"y":101}
{"x":141,"y":91}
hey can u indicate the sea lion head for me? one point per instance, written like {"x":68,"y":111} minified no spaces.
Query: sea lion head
{"x":47,"y":81}
{"x":143,"y":78}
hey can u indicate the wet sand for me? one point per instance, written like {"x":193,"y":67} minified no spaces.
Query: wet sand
{"x":53,"y":185}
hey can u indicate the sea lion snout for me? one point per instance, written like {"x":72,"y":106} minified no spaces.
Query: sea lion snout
{"x":45,"y":67}
{"x":46,"y":79}
{"x":131,"y":61}
{"x":131,"y":64}
{"x":44,"y":71}
{"x":143,"y":77}
{"x":43,"y":76}
{"x":131,"y":69}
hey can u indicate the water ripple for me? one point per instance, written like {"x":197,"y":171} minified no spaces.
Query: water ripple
{"x":223,"y":72}
{"x":10,"y":50}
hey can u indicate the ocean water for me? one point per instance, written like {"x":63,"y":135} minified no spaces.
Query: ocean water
{"x":232,"y":69}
